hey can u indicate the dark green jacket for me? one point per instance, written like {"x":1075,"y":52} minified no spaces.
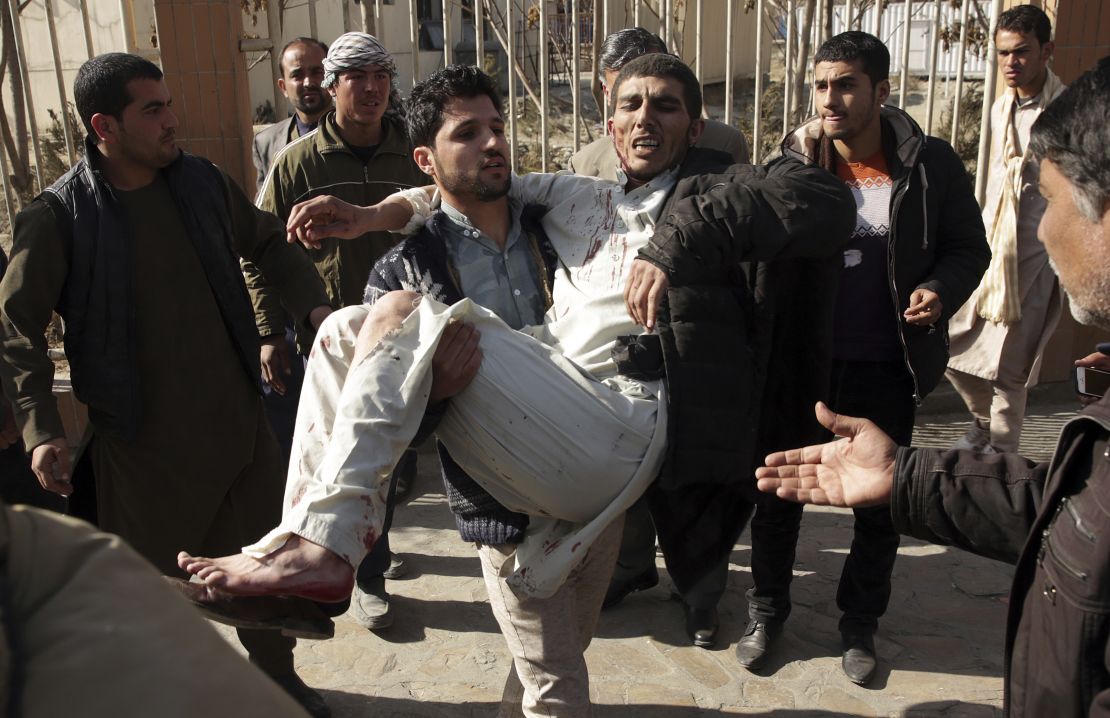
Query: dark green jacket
{"x":321,"y":163}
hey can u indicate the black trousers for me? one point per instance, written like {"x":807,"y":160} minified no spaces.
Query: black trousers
{"x":882,"y":392}
{"x":697,"y":527}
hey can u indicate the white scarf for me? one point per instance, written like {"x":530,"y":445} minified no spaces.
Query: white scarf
{"x":998,"y":299}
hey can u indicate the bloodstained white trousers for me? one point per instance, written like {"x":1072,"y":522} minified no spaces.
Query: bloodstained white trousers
{"x":538,"y":433}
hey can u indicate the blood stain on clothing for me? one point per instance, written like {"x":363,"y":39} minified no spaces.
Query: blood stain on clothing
{"x":299,"y":495}
{"x":619,"y":244}
{"x":603,"y":227}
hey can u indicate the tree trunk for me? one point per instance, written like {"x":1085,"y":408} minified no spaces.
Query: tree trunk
{"x":366,"y":13}
{"x":595,"y":73}
{"x":802,"y":63}
{"x":15,"y":144}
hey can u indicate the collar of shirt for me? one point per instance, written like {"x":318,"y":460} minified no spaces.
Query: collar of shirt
{"x":505,"y":282}
{"x":303,"y":128}
{"x":460,"y":226}
{"x":639,"y":209}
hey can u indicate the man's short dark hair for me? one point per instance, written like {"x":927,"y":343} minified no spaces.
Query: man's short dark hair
{"x":623,"y":46}
{"x":424,"y":112}
{"x":855,"y":45}
{"x":1073,"y":134}
{"x":101,"y":84}
{"x":1027,"y":20}
{"x":657,"y":64}
{"x":299,"y":41}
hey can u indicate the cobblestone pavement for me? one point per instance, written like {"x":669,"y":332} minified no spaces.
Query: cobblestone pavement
{"x":940,"y":644}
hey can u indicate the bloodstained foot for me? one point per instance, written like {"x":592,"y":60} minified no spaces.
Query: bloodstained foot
{"x":298,"y":568}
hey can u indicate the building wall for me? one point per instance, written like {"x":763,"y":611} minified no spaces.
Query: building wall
{"x":394,"y":32}
{"x":206,"y":73}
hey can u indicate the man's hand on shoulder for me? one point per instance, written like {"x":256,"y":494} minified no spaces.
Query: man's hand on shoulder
{"x":647,"y":284}
{"x":51,"y":464}
{"x":925,"y":308}
{"x":456,"y":361}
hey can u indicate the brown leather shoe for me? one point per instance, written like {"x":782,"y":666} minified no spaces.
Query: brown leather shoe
{"x":293,"y":616}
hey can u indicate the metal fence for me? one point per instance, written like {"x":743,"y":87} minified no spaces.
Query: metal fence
{"x":541,"y":45}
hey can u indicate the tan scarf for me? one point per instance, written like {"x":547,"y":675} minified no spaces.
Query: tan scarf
{"x":998,"y":299}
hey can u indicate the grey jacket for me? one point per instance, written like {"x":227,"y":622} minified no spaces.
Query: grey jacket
{"x":268,"y":142}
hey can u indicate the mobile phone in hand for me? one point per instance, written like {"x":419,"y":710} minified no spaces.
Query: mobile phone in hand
{"x":1091,"y":382}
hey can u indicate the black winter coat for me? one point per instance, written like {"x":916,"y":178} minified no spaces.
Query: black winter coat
{"x":717,"y":221}
{"x":937,"y":240}
{"x":748,"y":251}
{"x":1053,"y":521}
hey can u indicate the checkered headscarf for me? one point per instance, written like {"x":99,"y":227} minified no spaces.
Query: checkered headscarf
{"x":355,"y":50}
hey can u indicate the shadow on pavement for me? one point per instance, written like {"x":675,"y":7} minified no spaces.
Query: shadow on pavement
{"x":947,"y":611}
{"x":349,"y":705}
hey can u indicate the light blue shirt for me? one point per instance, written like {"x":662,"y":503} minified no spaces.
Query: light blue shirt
{"x":505,"y":282}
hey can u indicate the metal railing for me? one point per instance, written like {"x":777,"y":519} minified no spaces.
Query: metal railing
{"x":542,"y":47}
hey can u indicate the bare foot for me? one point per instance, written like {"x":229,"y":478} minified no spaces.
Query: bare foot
{"x":298,"y":568}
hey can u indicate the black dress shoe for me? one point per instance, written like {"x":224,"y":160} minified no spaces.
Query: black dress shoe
{"x":753,"y":647}
{"x":858,"y":660}
{"x":701,"y":625}
{"x":293,"y":616}
{"x":310,"y":700}
{"x":619,"y":588}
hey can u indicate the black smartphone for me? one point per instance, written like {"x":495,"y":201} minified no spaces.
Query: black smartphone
{"x":1091,"y":382}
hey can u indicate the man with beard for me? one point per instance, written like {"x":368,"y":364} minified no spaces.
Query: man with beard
{"x":492,"y":250}
{"x":552,"y":422}
{"x":137,"y":248}
{"x":302,"y":76}
{"x":358,"y":153}
{"x":1050,"y":519}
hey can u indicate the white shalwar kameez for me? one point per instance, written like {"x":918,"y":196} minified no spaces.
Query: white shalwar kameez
{"x":547,"y":427}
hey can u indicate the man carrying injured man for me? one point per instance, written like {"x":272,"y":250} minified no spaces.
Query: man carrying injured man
{"x":545,"y":419}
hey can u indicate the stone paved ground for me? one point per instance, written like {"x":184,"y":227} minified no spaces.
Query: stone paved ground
{"x":940,"y":644}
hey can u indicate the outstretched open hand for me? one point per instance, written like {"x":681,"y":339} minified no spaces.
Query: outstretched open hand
{"x":855,"y":471}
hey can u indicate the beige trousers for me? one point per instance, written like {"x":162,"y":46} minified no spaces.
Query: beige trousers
{"x":548,"y":637}
{"x":533,"y":429}
{"x":997,"y":404}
